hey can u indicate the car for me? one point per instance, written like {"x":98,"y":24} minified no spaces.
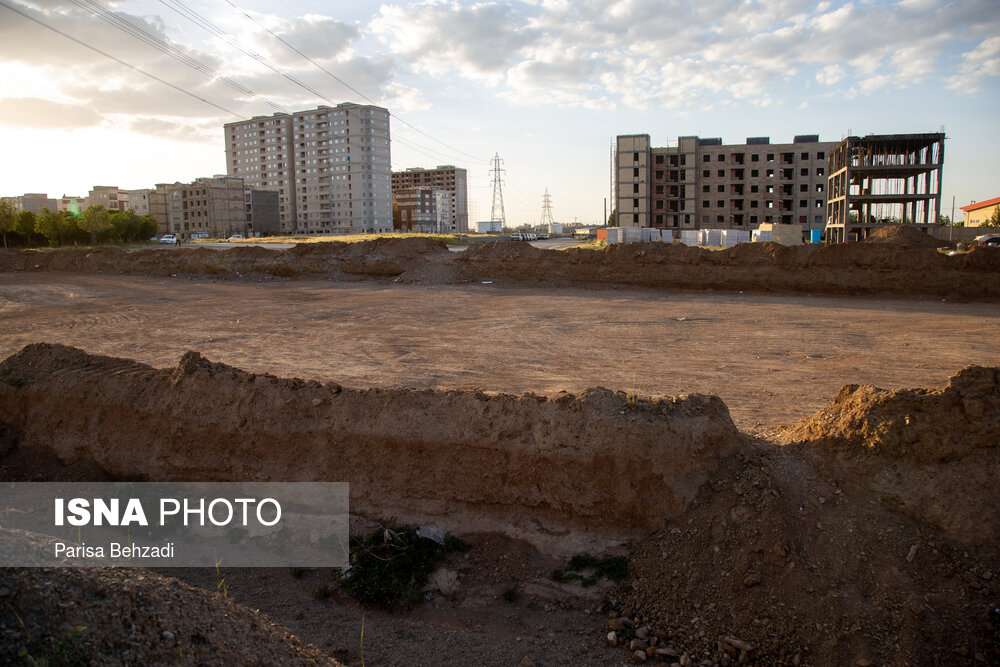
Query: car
{"x":168,"y":238}
{"x":991,"y":240}
{"x":518,"y":237}
{"x":543,"y":237}
{"x":236,"y":237}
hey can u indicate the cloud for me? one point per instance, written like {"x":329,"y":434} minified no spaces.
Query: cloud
{"x":32,"y":112}
{"x":978,"y":64}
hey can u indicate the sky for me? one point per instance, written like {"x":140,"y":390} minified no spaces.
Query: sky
{"x":545,"y":85}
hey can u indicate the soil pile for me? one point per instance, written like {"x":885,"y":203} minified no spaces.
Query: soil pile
{"x":936,"y":453}
{"x":874,"y":542}
{"x":897,"y":261}
{"x":906,"y":237}
{"x":131,"y":616}
{"x":568,"y":472}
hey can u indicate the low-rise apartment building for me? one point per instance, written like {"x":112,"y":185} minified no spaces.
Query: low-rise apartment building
{"x":444,"y":177}
{"x":978,"y":214}
{"x":427,"y":210}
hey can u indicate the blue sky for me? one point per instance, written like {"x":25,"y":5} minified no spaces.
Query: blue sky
{"x":546,"y":85}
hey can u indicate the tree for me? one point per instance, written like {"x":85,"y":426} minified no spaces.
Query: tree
{"x":995,"y":218}
{"x":54,"y":225}
{"x":94,"y":221}
{"x":613,"y":218}
{"x":25,"y":225}
{"x":944,"y":220}
{"x":8,"y":219}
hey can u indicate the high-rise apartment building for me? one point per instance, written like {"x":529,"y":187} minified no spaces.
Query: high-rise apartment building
{"x":445,"y":177}
{"x":703,"y":183}
{"x":329,"y":165}
{"x":428,"y":210}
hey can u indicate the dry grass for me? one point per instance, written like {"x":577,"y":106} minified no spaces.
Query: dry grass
{"x":450,"y":239}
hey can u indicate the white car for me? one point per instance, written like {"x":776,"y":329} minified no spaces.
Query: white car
{"x":236,"y":237}
{"x":168,"y":238}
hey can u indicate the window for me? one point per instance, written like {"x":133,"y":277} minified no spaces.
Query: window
{"x":819,"y":203}
{"x":803,"y":203}
{"x":754,"y":173}
{"x":635,"y":172}
{"x":722,"y":173}
{"x":754,"y":188}
{"x":805,"y":156}
{"x":803,"y":172}
{"x":770,"y":157}
{"x":722,"y":188}
{"x":706,"y":173}
{"x":770,"y":173}
{"x":706,"y":204}
{"x":720,"y":203}
{"x":706,"y":158}
{"x":635,"y":203}
{"x":635,"y":157}
{"x":819,"y":171}
{"x":706,"y":188}
{"x":722,"y":157}
{"x":720,"y":218}
{"x":755,"y":157}
{"x":753,"y":203}
{"x":819,"y":187}
{"x":804,"y":187}
{"x":821,"y":155}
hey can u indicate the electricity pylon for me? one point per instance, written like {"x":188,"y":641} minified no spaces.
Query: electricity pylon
{"x":496,"y":213}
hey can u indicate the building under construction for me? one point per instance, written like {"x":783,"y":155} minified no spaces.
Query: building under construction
{"x":879,"y":179}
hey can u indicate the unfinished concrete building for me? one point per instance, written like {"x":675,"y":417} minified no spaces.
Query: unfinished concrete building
{"x":883,"y":178}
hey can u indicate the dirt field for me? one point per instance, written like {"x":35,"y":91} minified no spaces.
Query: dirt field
{"x":845,"y":525}
{"x":773,"y":359}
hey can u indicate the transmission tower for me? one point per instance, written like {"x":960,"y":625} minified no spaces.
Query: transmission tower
{"x":496,"y":213}
{"x":546,"y":210}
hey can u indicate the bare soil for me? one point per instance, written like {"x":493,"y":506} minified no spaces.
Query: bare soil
{"x":860,"y":531}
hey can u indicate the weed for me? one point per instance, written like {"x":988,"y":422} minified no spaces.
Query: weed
{"x":297,"y":572}
{"x":390,"y":567}
{"x":221,"y":586}
{"x":323,"y":592}
{"x":609,"y":567}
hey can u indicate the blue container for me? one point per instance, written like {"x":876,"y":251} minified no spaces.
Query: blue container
{"x":815,"y":236}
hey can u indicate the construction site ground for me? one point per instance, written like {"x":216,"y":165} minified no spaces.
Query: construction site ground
{"x":844,"y":526}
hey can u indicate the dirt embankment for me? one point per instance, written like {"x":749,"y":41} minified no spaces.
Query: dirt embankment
{"x":871,"y":540}
{"x":894,"y":262}
{"x":568,"y":473}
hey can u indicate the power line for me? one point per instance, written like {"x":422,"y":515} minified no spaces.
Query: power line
{"x":117,"y":60}
{"x":347,"y":85}
{"x":141,"y":34}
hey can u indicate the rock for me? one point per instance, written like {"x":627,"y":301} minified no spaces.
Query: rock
{"x":526,"y":662}
{"x":444,"y":580}
{"x":616,"y":624}
{"x":612,"y":638}
{"x":639,"y":656}
{"x":629,"y":623}
{"x":737,"y":644}
{"x":666,"y":652}
{"x":863,"y":662}
{"x":167,"y":635}
{"x":642,"y":632}
{"x":752,"y":579}
{"x":637,"y":645}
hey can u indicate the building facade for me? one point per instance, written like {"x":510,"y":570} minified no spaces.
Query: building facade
{"x":32,"y":201}
{"x":444,"y":177}
{"x":427,"y":210}
{"x":978,"y":214}
{"x":702,"y":183}
{"x":262,"y":206}
{"x":107,"y":196}
{"x":329,"y":165}
{"x":212,"y":206}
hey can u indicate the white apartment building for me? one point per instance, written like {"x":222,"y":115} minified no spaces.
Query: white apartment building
{"x":329,"y":165}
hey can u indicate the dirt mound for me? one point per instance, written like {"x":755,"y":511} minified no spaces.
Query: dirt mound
{"x":783,"y":560}
{"x":503,"y":251}
{"x":934,"y":452}
{"x":567,"y":472}
{"x":69,"y":616}
{"x":905,"y":236}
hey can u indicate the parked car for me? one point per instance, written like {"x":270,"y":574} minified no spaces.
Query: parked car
{"x":518,"y":237}
{"x":168,"y":238}
{"x":543,"y":236}
{"x":992,"y":240}
{"x":236,"y":237}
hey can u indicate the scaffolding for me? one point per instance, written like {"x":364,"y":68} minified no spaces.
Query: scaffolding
{"x":882,"y":179}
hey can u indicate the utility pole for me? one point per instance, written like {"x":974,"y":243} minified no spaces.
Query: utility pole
{"x":546,"y":210}
{"x":496,"y":213}
{"x":952,"y":225}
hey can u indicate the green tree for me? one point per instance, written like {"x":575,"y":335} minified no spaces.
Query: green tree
{"x":94,"y":221}
{"x":55,"y":226}
{"x":25,"y":225}
{"x":944,"y":220}
{"x":613,"y":218}
{"x":995,"y":218}
{"x":8,"y":219}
